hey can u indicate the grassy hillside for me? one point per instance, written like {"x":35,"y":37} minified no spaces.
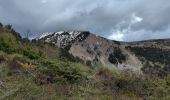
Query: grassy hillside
{"x":39,"y":71}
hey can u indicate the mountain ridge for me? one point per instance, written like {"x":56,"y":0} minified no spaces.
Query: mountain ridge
{"x":94,"y":49}
{"x":39,"y":70}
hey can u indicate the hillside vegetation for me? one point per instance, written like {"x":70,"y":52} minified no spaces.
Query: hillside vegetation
{"x":34,"y":70}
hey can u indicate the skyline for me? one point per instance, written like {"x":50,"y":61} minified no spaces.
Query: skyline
{"x":124,"y":20}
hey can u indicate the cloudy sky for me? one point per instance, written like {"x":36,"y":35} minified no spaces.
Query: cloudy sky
{"x":125,"y":20}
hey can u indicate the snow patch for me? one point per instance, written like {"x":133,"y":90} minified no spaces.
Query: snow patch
{"x":61,"y":38}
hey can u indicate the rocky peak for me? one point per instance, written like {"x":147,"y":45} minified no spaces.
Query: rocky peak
{"x":63,"y":39}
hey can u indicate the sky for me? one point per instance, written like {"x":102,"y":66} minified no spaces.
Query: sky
{"x":123,"y":20}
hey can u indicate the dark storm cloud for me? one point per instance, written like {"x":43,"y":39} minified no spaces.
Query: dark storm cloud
{"x":109,"y":18}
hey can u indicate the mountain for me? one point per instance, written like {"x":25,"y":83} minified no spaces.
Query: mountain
{"x":81,"y":66}
{"x":132,"y":56}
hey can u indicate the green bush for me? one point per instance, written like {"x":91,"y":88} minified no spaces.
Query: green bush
{"x":61,"y":70}
{"x":8,"y":44}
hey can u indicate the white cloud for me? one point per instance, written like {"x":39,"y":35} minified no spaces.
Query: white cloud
{"x":135,"y":19}
{"x":97,"y":16}
{"x":43,"y":1}
{"x":118,"y":36}
{"x":120,"y":33}
{"x":146,"y":35}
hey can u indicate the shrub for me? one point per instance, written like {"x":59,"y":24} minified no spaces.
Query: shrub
{"x":28,"y":53}
{"x":8,"y":27}
{"x":89,"y":63}
{"x":8,"y":44}
{"x":152,"y":54}
{"x":153,"y":70}
{"x":140,"y":86}
{"x":1,"y":25}
{"x":66,"y":56}
{"x":117,"y":56}
{"x":62,"y":70}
